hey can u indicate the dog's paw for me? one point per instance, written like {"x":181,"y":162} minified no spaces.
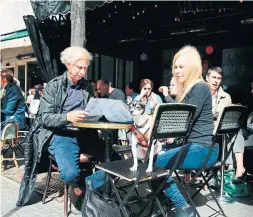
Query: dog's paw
{"x":133,"y":168}
{"x":149,"y":170}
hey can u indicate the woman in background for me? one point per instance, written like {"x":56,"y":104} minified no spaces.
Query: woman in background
{"x":146,"y":87}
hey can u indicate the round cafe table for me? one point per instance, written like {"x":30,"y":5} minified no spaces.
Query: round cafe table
{"x":103,"y":125}
{"x":107,"y":128}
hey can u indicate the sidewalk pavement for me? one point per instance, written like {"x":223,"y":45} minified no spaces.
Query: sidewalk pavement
{"x":9,"y":196}
{"x":243,"y":207}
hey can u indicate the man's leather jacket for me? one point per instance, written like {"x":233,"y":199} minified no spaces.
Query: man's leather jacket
{"x":50,"y":118}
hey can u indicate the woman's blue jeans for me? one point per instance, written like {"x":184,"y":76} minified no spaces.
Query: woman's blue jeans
{"x":192,"y":157}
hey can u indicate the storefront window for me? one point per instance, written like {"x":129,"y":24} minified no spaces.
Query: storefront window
{"x":107,"y":68}
{"x":34,"y":75}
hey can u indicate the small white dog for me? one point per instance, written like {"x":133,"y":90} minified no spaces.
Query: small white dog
{"x":141,"y":134}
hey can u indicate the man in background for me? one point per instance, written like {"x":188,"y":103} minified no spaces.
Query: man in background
{"x":220,"y":100}
{"x":130,"y":93}
{"x":107,"y":91}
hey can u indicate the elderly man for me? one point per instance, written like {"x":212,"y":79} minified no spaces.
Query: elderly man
{"x":107,"y":91}
{"x":61,"y":105}
{"x":220,"y":100}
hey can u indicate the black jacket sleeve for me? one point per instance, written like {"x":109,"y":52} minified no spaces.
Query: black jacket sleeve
{"x":48,"y":111}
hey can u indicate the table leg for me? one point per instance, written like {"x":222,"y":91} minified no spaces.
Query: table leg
{"x":108,"y":151}
{"x":223,"y":199}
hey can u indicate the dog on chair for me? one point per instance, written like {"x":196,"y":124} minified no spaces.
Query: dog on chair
{"x":141,"y":131}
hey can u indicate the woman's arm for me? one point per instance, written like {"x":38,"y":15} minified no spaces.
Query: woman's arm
{"x":12,"y":101}
{"x":167,"y":97}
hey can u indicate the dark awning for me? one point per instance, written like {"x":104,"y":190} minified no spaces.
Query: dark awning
{"x":45,"y":8}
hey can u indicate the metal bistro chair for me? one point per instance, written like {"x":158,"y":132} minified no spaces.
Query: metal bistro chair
{"x":10,"y":138}
{"x":230,"y":122}
{"x":84,"y":158}
{"x":22,"y":134}
{"x":170,"y":120}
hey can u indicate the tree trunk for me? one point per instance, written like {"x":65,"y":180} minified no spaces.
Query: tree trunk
{"x":78,"y":23}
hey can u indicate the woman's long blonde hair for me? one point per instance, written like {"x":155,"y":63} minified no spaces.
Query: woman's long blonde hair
{"x":193,"y":70}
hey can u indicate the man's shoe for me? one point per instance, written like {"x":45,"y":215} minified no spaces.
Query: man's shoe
{"x":188,"y":212}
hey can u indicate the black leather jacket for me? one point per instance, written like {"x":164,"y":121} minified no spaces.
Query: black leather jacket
{"x":49,"y":118}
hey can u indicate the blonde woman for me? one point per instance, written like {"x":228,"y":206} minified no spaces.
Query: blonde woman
{"x":187,"y":71}
{"x":146,"y":87}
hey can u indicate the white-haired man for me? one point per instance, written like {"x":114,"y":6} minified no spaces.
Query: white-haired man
{"x":62,"y":104}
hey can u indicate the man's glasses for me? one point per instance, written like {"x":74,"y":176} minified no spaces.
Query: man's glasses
{"x":147,"y":88}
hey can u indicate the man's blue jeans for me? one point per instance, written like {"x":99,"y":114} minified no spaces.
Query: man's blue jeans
{"x":67,"y":153}
{"x":66,"y":148}
{"x":192,"y":157}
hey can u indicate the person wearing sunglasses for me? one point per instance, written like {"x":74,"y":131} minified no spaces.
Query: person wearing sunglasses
{"x":146,"y":87}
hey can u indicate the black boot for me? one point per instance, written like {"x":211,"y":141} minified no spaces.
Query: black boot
{"x":188,"y":212}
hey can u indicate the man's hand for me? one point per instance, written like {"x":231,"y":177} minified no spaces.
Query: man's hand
{"x":164,"y":90}
{"x":76,"y":116}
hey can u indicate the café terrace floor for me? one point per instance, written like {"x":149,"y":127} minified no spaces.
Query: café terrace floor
{"x":11,"y":178}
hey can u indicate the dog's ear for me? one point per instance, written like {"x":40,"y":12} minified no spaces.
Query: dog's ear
{"x":129,"y":100}
{"x":144,"y":100}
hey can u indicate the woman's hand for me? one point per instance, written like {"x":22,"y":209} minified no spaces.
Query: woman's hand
{"x":170,"y":140}
{"x":164,"y":90}
{"x":143,"y":93}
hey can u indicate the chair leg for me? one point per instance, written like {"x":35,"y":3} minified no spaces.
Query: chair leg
{"x":2,"y":156}
{"x":48,"y":181}
{"x":122,"y":205}
{"x":160,"y":206}
{"x":20,"y":148}
{"x":6,"y":150}
{"x":156,"y":199}
{"x":189,"y":196}
{"x":186,"y":190}
{"x":202,"y":186}
{"x":65,"y":200}
{"x":14,"y":153}
{"x":213,"y":195}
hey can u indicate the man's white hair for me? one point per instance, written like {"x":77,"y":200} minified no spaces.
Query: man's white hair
{"x":74,"y":53}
